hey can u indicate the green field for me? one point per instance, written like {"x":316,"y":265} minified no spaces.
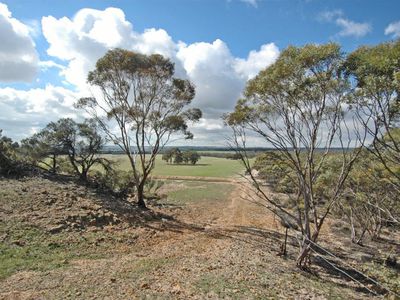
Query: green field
{"x":206,"y":167}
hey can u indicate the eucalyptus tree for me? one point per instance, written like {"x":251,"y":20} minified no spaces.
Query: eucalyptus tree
{"x":375,"y":72}
{"x":141,"y":98}
{"x":7,"y":153}
{"x":298,"y":106}
{"x":80,"y":142}
{"x":42,"y":149}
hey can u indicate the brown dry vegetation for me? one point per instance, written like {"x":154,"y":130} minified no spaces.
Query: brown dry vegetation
{"x":60,"y":240}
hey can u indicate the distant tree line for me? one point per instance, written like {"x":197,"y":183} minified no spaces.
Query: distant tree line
{"x":176,"y":156}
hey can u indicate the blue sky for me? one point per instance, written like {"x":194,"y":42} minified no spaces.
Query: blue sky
{"x":218,"y":44}
{"x":241,"y":25}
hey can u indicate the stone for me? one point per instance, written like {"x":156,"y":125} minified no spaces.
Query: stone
{"x":57,"y":228}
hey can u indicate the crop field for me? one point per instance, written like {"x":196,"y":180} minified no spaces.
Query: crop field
{"x":206,"y":167}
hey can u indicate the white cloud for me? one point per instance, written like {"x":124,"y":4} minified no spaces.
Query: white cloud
{"x":393,"y":29}
{"x":330,"y":16}
{"x":257,"y":60}
{"x":23,"y":111}
{"x":47,"y":64}
{"x":253,"y":3}
{"x":18,"y":56}
{"x":211,"y":67}
{"x":348,"y":27}
{"x":351,"y":28}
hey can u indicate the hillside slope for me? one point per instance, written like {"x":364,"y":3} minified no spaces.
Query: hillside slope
{"x":64,"y":241}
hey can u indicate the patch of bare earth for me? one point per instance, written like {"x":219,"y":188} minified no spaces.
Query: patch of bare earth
{"x":227,"y":249}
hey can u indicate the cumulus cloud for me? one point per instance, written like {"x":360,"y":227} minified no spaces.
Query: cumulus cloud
{"x":348,"y":27}
{"x":211,"y":67}
{"x":18,"y":56}
{"x":23,"y":112}
{"x":393,"y":29}
{"x":257,"y":60}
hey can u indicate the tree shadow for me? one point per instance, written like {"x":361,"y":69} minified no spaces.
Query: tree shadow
{"x":270,"y":240}
{"x":347,"y":275}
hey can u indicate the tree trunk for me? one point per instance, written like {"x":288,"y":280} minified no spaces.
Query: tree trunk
{"x":303,"y":258}
{"x":53,"y":170}
{"x":140,"y":195}
{"x":83,"y":175}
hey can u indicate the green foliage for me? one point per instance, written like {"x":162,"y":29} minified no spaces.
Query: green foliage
{"x":297,"y":80}
{"x":80,"y":142}
{"x":120,"y":182}
{"x":41,"y":147}
{"x":193,"y":156}
{"x":169,"y":154}
{"x":376,"y":68}
{"x":178,"y":157}
{"x":276,"y":171}
{"x":375,"y":73}
{"x":8,"y":155}
{"x":371,"y":201}
{"x":64,"y":166}
{"x":153,"y":185}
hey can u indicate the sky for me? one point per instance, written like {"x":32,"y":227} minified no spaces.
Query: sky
{"x":48,"y":47}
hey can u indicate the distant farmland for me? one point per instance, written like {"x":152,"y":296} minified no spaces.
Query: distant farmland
{"x":206,"y":167}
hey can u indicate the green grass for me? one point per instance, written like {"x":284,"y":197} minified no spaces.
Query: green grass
{"x":30,"y":248}
{"x":194,"y":191}
{"x":206,"y":167}
{"x":388,"y":277}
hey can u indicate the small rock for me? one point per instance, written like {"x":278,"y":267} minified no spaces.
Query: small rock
{"x":145,"y":286}
{"x":50,"y":202}
{"x":19,"y":243}
{"x":176,"y":289}
{"x":391,"y":261}
{"x":113,"y":279}
{"x":57,"y":228}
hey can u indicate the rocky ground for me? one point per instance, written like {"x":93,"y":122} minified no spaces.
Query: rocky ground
{"x":60,"y":240}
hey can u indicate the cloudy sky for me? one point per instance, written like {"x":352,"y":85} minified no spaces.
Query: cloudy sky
{"x":47,"y":47}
